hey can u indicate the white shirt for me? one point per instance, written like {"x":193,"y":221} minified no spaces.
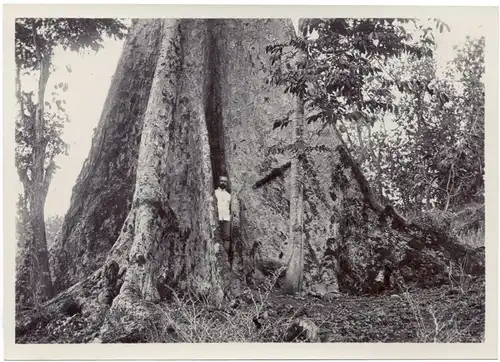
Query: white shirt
{"x":223,"y":202}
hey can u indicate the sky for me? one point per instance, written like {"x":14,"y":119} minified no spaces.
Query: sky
{"x":88,"y":84}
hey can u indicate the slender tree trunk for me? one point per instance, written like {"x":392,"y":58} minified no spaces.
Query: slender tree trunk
{"x":41,"y":280}
{"x":362,"y":150}
{"x":448,"y":193}
{"x":379,"y":174}
{"x":419,"y":206}
{"x":295,"y":270}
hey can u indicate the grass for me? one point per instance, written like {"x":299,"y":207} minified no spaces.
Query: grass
{"x":445,"y":314}
{"x":437,"y":322}
{"x":195,"y":321}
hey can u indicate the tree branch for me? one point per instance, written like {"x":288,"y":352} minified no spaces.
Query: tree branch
{"x":364,"y":186}
{"x":49,"y":172}
{"x":18,"y":88}
{"x":39,"y":142}
{"x":275,"y":172}
{"x":347,"y":134}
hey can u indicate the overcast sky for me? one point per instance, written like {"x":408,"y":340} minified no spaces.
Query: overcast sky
{"x":88,"y":86}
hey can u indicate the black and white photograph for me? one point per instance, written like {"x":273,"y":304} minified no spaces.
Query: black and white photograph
{"x":250,"y":179}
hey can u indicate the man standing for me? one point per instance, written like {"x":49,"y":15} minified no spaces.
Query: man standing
{"x":223,"y":207}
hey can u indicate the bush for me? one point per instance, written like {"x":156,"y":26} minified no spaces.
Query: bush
{"x":466,"y":225}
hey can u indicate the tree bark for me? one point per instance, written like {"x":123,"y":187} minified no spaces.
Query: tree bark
{"x":103,"y":193}
{"x":295,"y":269}
{"x":379,"y":173}
{"x":37,"y":260}
{"x":173,"y":221}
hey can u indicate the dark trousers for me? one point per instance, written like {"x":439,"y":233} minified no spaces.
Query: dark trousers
{"x":225,"y":233}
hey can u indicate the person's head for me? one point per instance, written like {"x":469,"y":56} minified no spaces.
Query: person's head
{"x":223,"y":182}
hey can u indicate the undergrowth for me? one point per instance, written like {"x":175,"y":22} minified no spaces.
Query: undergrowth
{"x":437,"y":322}
{"x":467,"y":225}
{"x":445,"y":314}
{"x":195,"y":321}
{"x":452,"y":313}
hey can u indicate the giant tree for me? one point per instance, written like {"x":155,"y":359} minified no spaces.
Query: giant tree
{"x":188,"y":102}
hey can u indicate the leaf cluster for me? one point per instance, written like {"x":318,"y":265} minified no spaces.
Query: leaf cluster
{"x":342,"y":69}
{"x":435,"y":155}
{"x":74,"y":34}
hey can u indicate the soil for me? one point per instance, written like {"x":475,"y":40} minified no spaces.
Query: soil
{"x":406,"y":317}
{"x":442,"y":314}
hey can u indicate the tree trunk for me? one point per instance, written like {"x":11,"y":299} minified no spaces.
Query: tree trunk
{"x":235,"y":99}
{"x":171,"y":230}
{"x":102,"y":195}
{"x":37,"y":260}
{"x":158,"y":195}
{"x":295,"y":269}
{"x":379,"y":174}
{"x":24,"y":295}
{"x":419,"y":206}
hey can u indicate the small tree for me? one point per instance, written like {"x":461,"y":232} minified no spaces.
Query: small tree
{"x":40,"y":122}
{"x":331,"y":82}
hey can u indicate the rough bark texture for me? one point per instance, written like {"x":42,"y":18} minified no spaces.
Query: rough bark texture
{"x":260,"y":218}
{"x":190,"y":102}
{"x":249,"y":106}
{"x":102,"y":195}
{"x":239,"y":109}
{"x":377,"y":250}
{"x":295,"y":267}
